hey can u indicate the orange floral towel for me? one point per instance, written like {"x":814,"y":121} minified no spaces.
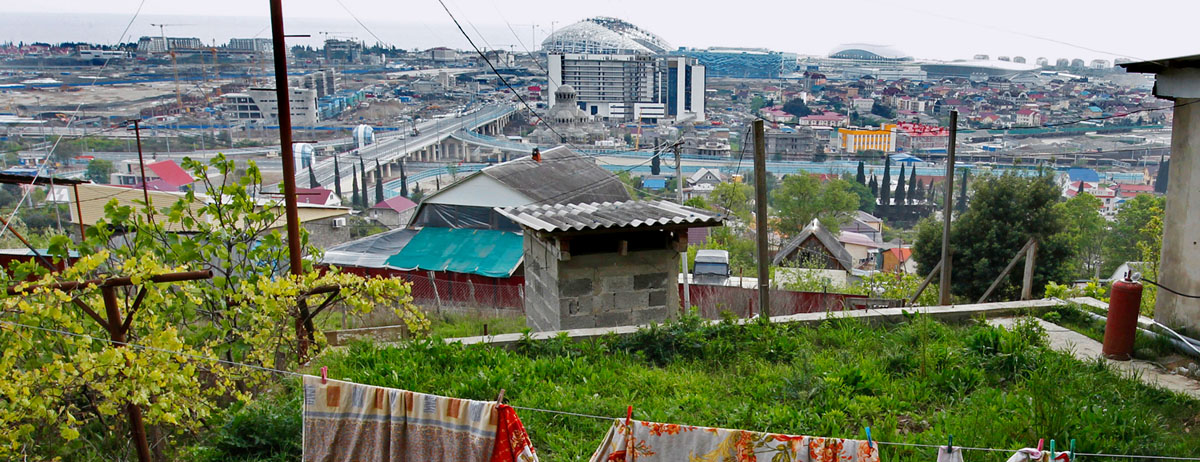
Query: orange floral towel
{"x":512,"y":442}
{"x":653,"y":442}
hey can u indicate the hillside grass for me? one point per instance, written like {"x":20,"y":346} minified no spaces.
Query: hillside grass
{"x":917,"y":381}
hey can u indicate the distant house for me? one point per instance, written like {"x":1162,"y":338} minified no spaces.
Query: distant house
{"x":655,"y":182}
{"x":705,"y":177}
{"x":815,"y":244}
{"x":562,"y":177}
{"x":867,"y":225}
{"x":861,"y":247}
{"x":160,"y":176}
{"x":317,"y":196}
{"x":393,"y":212}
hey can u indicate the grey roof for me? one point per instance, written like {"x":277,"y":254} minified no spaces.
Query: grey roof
{"x":562,"y":177}
{"x":824,"y":236}
{"x":371,"y":251}
{"x":1158,"y":65}
{"x":608,"y":215}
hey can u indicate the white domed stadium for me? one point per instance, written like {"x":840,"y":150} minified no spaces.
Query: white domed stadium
{"x":868,"y":52}
{"x":604,"y":35}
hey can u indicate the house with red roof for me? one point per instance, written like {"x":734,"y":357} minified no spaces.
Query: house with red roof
{"x":160,"y":176}
{"x":394,"y":212}
{"x":317,"y":196}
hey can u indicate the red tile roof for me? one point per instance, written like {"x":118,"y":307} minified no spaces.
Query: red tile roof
{"x":315,"y":196}
{"x":171,"y":173}
{"x":398,"y":203}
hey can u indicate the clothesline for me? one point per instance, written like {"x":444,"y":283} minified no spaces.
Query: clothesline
{"x":533,"y":409}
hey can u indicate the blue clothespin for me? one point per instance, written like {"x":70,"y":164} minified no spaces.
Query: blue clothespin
{"x":949,"y":443}
{"x":870,"y":442}
{"x":1072,"y":456}
{"x":1051,"y":449}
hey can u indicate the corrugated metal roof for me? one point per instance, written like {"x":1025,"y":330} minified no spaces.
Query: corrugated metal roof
{"x":371,"y":251}
{"x":607,"y":215}
{"x":562,"y":177}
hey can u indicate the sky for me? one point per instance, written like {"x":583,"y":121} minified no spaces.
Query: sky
{"x":928,"y":29}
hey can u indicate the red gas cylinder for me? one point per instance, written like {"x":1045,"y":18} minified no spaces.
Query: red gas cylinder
{"x":1124,"y":304}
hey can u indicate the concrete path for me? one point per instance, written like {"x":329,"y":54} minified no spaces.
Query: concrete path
{"x":1086,"y":349}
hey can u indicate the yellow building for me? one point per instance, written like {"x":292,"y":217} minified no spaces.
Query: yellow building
{"x":867,"y":139}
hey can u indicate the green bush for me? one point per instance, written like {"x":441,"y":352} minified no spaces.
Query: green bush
{"x":268,"y":429}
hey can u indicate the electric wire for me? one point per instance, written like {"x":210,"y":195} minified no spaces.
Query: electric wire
{"x":1168,"y":289}
{"x":533,"y":409}
{"x":70,"y":121}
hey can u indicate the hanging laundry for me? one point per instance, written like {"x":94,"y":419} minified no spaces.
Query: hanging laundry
{"x":345,"y":421}
{"x":949,"y":456}
{"x":651,"y":442}
{"x":1034,"y":455}
{"x":512,"y":442}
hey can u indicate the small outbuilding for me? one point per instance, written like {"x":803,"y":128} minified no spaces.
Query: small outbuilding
{"x":604,"y":264}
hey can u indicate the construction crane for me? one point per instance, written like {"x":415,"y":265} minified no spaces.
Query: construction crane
{"x":162,"y":32}
{"x":174,"y":65}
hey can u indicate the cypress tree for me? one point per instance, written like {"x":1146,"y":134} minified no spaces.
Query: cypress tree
{"x":312,"y":178}
{"x":962,"y":194}
{"x":403,"y":180}
{"x":1080,"y":191}
{"x":337,"y":178}
{"x":885,"y":187}
{"x":862,"y":173}
{"x":1164,"y":175}
{"x":874,"y":186}
{"x":354,"y":198}
{"x":362,"y":168}
{"x":912,"y":186}
{"x":919,"y":190}
{"x":901,"y":191}
{"x":378,"y":182}
{"x":656,"y":164}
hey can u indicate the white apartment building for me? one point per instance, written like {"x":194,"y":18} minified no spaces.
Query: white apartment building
{"x":259,"y":105}
{"x":632,"y":86}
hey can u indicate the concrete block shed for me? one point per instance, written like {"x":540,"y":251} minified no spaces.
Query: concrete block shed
{"x":604,"y":264}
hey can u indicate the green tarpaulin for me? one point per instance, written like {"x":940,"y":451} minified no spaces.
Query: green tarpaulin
{"x":476,"y":251}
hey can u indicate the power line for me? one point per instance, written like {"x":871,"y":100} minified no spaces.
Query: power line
{"x":70,"y":121}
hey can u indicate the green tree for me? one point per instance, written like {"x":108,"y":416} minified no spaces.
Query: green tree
{"x":861,"y":176}
{"x":885,"y":187}
{"x":734,"y":197}
{"x":1085,"y":232}
{"x":802,"y":198}
{"x":362,"y":168}
{"x":961,"y":206}
{"x":866,"y":200}
{"x":1126,"y":233}
{"x":65,"y":396}
{"x":1004,"y":213}
{"x":656,"y":164}
{"x":378,"y":182}
{"x":355,"y":199}
{"x":912,"y":187}
{"x":337,"y":178}
{"x":874,"y":185}
{"x":882,"y":110}
{"x":312,"y":178}
{"x":403,"y":181}
{"x":98,"y":170}
{"x":697,"y":202}
{"x":901,"y":190}
{"x":796,"y":107}
{"x":1164,"y":175}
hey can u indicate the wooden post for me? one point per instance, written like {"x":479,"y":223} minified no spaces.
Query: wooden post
{"x":687,"y":284}
{"x":436,"y":297}
{"x":947,"y":208}
{"x":116,"y":332}
{"x":1027,"y":282}
{"x":1011,"y":263}
{"x":921,"y":288}
{"x":760,"y":218}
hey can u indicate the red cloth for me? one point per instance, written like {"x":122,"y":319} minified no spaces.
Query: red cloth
{"x":512,"y":442}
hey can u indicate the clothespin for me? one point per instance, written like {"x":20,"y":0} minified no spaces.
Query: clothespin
{"x":1051,"y":449}
{"x":324,"y":374}
{"x":629,"y":416}
{"x":1040,"y":441}
{"x":950,"y":443}
{"x":537,"y":155}
{"x":1072,"y":456}
{"x":500,"y":397}
{"x":870,"y":442}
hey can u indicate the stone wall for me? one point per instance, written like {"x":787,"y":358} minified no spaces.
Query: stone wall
{"x":598,"y":290}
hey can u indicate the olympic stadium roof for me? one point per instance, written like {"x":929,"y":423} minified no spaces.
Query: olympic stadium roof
{"x":869,"y":52}
{"x":965,"y":68}
{"x":603,"y":35}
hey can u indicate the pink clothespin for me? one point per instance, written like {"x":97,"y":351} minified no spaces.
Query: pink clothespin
{"x":325,"y":376}
{"x":1040,"y":442}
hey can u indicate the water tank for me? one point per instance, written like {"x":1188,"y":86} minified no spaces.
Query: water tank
{"x":363,"y":135}
{"x":303,"y":152}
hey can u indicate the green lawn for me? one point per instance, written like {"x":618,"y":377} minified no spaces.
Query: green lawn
{"x":917,"y":381}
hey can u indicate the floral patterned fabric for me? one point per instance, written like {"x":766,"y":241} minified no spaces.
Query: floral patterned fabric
{"x":345,"y":421}
{"x":512,"y":442}
{"x":654,"y":442}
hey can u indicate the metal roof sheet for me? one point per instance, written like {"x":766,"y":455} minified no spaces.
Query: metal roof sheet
{"x":561,"y":177}
{"x":476,"y":251}
{"x":607,"y":215}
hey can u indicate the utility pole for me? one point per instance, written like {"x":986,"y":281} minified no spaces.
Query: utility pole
{"x":683,"y":260}
{"x":760,"y":217}
{"x":947,"y":207}
{"x":279,"y":49}
{"x":137,"y":133}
